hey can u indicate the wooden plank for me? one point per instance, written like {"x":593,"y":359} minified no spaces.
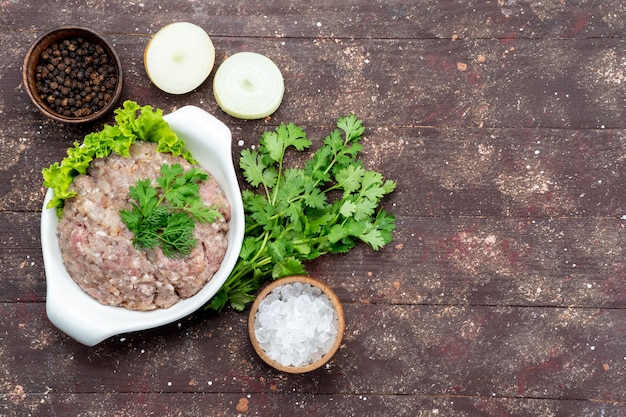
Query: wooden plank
{"x":440,"y":172}
{"x":440,"y":351}
{"x":21,"y":261}
{"x":347,"y":19}
{"x":487,"y":262}
{"x":439,"y":261}
{"x":291,"y":404}
{"x":482,"y":83}
{"x":470,"y":261}
{"x":521,"y":173}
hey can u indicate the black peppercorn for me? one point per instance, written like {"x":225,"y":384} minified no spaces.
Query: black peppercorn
{"x":75,"y":77}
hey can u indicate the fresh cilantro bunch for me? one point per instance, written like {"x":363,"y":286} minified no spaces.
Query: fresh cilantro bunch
{"x":294,"y":215}
{"x":165,"y":215}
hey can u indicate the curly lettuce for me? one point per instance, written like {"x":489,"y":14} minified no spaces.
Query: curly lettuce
{"x":133,"y":122}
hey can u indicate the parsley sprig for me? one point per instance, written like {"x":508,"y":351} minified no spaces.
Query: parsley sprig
{"x":294,"y":215}
{"x":165,"y":215}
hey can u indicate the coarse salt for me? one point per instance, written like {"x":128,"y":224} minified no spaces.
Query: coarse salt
{"x":296,"y":324}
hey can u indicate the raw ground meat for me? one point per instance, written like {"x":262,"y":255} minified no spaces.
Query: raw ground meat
{"x":97,"y":246}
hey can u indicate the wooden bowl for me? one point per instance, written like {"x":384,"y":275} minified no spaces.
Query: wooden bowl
{"x":340,"y":329}
{"x":29,"y":71}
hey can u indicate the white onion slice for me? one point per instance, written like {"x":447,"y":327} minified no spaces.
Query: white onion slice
{"x":179,"y":57}
{"x":248,"y":85}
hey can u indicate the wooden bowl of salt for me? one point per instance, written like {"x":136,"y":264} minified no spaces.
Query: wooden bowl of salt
{"x":296,"y":324}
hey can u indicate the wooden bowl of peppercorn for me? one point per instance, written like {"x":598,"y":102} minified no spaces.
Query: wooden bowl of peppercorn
{"x":73,"y":75}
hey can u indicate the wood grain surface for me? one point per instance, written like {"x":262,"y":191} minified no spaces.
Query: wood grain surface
{"x":504,"y":290}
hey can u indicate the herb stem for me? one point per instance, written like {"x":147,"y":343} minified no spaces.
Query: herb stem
{"x":277,"y":186}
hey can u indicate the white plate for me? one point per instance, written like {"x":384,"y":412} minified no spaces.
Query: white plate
{"x":82,"y":317}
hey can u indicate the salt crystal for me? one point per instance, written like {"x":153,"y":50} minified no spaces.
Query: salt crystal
{"x":296,"y":324}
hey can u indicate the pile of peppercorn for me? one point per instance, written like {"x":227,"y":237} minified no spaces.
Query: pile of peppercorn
{"x":75,"y":77}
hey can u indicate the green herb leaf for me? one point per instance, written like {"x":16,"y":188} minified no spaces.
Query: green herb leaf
{"x":296,"y":214}
{"x":165,"y":215}
{"x":255,"y":170}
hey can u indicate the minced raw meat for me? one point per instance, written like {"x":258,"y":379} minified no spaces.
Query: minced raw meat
{"x":97,"y":247}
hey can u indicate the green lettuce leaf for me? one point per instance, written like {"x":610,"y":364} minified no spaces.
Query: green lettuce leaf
{"x":133,"y":122}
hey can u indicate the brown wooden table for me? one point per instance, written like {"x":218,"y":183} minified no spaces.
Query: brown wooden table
{"x":504,"y":292}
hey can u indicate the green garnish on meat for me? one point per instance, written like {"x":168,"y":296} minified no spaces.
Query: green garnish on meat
{"x":165,"y":215}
